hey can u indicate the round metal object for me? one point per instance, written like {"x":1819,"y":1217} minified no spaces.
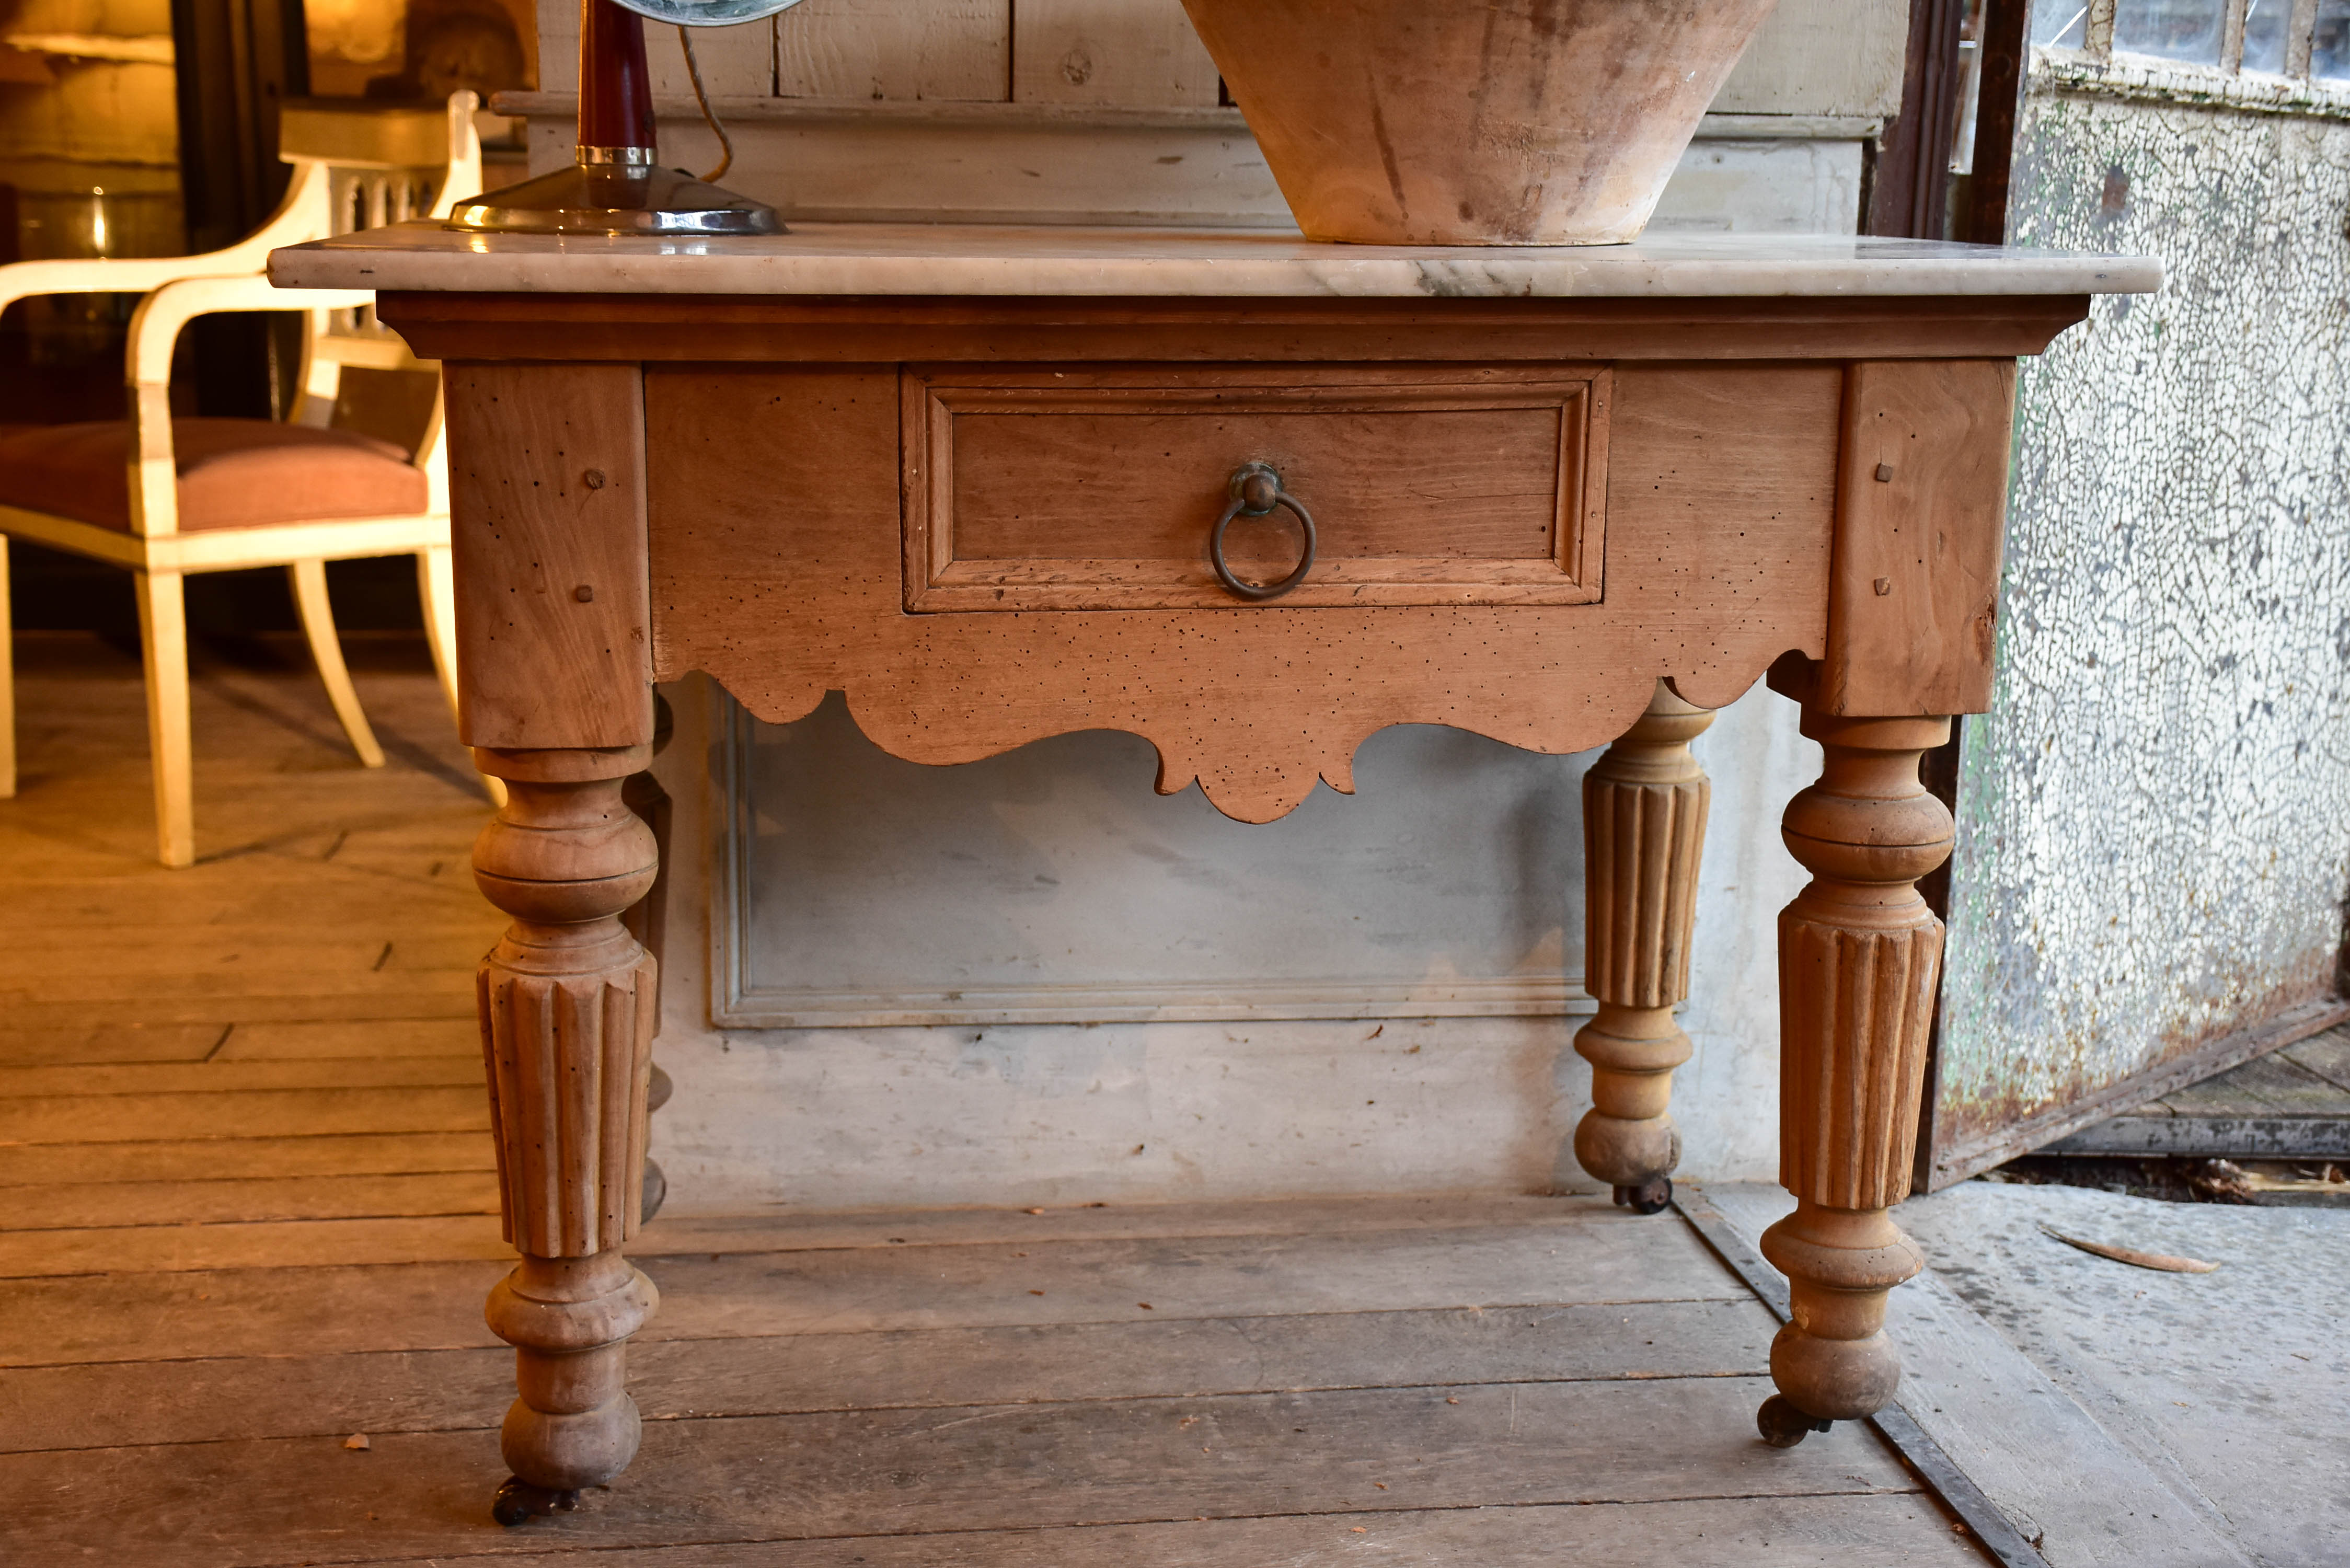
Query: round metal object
{"x":1256,"y":490}
{"x":518,"y":1502}
{"x":707,"y":12}
{"x":612,"y":198}
{"x":1653,"y":1196}
{"x":1783,"y":1424}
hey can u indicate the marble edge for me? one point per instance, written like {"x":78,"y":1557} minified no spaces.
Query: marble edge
{"x":442,"y":268}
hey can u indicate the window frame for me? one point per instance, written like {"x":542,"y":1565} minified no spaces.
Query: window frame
{"x":2301,"y":35}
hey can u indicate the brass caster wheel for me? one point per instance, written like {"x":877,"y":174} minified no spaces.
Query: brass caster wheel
{"x":519,"y":1502}
{"x":1651,"y":1197}
{"x":1783,"y":1424}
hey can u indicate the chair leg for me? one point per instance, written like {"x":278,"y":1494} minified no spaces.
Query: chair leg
{"x":163,"y":643}
{"x":436,"y":585}
{"x":309,"y":579}
{"x":8,"y":682}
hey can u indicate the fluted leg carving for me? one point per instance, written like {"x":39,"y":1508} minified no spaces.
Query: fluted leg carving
{"x":568,"y":1012}
{"x":1859,"y":955}
{"x":1644,"y":805}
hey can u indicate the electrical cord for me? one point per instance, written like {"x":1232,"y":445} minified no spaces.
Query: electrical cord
{"x":702,"y":96}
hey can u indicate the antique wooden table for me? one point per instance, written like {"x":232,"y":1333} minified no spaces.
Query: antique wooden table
{"x":1002,"y":484}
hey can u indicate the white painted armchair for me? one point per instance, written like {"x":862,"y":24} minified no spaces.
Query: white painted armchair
{"x":167,"y":497}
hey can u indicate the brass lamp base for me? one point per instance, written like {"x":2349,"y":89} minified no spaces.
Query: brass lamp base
{"x":616,"y":199}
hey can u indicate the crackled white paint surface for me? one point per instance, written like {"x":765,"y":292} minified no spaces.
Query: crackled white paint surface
{"x":2155,"y":818}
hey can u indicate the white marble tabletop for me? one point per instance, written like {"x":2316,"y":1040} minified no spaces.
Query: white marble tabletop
{"x":972,"y":259}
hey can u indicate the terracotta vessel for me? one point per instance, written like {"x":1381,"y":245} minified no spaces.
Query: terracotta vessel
{"x":1513,"y":122}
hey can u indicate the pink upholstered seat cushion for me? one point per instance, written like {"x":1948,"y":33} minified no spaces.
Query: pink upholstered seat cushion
{"x":234,"y":473}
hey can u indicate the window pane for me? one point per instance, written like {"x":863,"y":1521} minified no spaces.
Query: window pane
{"x":2063,"y":23}
{"x":2265,"y":25}
{"x":2331,"y":57}
{"x":2171,"y":29}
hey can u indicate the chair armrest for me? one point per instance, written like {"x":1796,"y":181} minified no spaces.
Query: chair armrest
{"x":155,"y":329}
{"x":23,"y":280}
{"x":154,"y":332}
{"x":301,"y":215}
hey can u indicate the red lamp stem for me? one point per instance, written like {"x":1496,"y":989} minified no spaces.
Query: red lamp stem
{"x":616,"y":93}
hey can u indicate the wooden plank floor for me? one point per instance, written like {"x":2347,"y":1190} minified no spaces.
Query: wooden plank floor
{"x":248,"y":1213}
{"x":2292,"y":1104}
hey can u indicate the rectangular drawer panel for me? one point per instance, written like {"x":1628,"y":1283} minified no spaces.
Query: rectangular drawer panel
{"x":1089,"y":490}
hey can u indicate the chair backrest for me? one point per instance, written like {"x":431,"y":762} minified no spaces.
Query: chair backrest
{"x":355,"y":164}
{"x":378,"y":164}
{"x":361,"y":165}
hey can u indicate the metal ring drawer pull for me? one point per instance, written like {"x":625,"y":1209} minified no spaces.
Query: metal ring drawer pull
{"x":1256,"y":490}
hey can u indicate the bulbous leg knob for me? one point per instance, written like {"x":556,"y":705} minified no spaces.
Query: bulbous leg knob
{"x":1627,"y":1138}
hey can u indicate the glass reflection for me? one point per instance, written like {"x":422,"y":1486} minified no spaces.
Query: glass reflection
{"x":2330,"y":56}
{"x":2170,"y":29}
{"x":2062,"y":24}
{"x":2265,"y":26}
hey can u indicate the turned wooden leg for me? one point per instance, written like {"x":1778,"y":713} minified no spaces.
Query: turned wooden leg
{"x":566,"y":1001}
{"x":1859,"y":953}
{"x":1644,"y":805}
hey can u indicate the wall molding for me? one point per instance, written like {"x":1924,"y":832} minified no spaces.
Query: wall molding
{"x":2139,"y":78}
{"x":981,"y":114}
{"x":736,"y":1001}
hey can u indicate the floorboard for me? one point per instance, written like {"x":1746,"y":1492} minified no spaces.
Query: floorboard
{"x":1022,"y":1467}
{"x":2292,"y":1104}
{"x":205,"y":1159}
{"x":249,"y":1195}
{"x":133,"y":1403}
{"x":103,"y":1205}
{"x":2068,"y":1487}
{"x":217,"y":1076}
{"x":1777,"y":1532}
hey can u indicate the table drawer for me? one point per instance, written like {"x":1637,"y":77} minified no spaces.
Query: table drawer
{"x":1091,"y":490}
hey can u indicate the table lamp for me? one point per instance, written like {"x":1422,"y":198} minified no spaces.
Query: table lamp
{"x":614,"y":186}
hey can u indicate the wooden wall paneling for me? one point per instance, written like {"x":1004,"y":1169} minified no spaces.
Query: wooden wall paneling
{"x":777,"y":562}
{"x":547,"y":482}
{"x":1922,"y":498}
{"x":737,"y":62}
{"x":942,"y":161}
{"x":1132,"y":52}
{"x":1822,"y":56}
{"x":899,"y":50}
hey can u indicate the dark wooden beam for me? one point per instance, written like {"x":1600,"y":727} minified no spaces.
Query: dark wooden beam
{"x":1910,"y":190}
{"x":2006,"y":51}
